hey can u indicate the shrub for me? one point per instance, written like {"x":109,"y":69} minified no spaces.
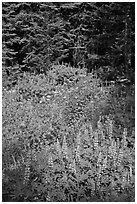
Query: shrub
{"x":62,"y":74}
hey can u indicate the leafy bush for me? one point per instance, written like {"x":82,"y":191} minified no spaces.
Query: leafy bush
{"x":63,"y":74}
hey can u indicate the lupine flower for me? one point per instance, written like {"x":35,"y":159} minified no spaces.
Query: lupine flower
{"x":99,"y":170}
{"x":124,"y":179}
{"x":34,"y":155}
{"x":110,"y":128}
{"x":27,"y":174}
{"x":99,"y":175}
{"x":128,"y":178}
{"x":105,"y":161}
{"x":130,"y":172}
{"x":27,"y":168}
{"x":99,"y":158}
{"x":118,"y":144}
{"x":78,"y":142}
{"x":46,"y":178}
{"x":133,"y":133}
{"x":22,"y":159}
{"x":96,"y":140}
{"x":86,"y":132}
{"x":48,"y":199}
{"x":14,"y":165}
{"x":93,"y":186}
{"x":78,"y":153}
{"x":120,"y":157}
{"x":113,"y":150}
{"x":112,"y":183}
{"x":50,"y":161}
{"x":65,"y":148}
{"x":78,"y":138}
{"x":58,"y":147}
{"x":102,"y":135}
{"x":91,"y":131}
{"x":99,"y":124}
{"x":72,"y":167}
{"x":124,"y":138}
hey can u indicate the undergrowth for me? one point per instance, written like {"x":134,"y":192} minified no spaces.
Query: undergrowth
{"x":62,"y":140}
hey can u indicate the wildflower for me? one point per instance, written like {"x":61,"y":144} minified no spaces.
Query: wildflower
{"x":27,"y":168}
{"x":78,"y":153}
{"x":118,"y":144}
{"x":124,"y":178}
{"x":91,"y":131}
{"x":45,"y":177}
{"x":99,"y":159}
{"x":27,"y":174}
{"x":120,"y":157}
{"x":99,"y":172}
{"x":86,"y":132}
{"x":93,"y":186}
{"x":78,"y":142}
{"x":48,"y":199}
{"x":95,"y":140}
{"x":110,"y":128}
{"x":22,"y":159}
{"x":50,"y":161}
{"x":130,"y":172}
{"x":72,"y":167}
{"x":128,"y":178}
{"x":58,"y":147}
{"x":14,"y":166}
{"x":133,"y":133}
{"x":105,"y":161}
{"x":99,"y":124}
{"x":113,"y":150}
{"x":102,"y":136}
{"x":64,"y":148}
{"x":124,"y":138}
{"x":78,"y":139}
{"x":34,"y":156}
{"x":113,"y":183}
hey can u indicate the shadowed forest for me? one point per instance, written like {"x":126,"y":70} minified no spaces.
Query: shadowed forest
{"x":68,"y":102}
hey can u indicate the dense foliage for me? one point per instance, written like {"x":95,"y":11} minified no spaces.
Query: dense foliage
{"x":58,"y":137}
{"x":68,"y":101}
{"x":95,"y":35}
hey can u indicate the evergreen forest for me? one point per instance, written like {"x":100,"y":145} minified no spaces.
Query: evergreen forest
{"x":68,"y":102}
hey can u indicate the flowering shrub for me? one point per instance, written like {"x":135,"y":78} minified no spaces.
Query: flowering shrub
{"x":58,"y":145}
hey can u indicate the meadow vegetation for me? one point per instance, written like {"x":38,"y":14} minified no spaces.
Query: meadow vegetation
{"x":67,"y":137}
